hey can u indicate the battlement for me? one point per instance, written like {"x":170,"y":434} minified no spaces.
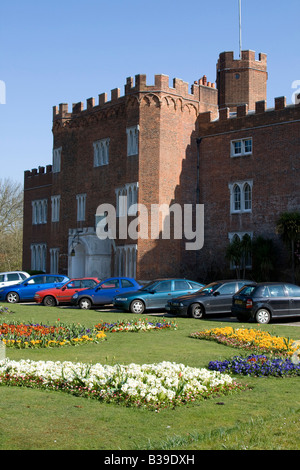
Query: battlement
{"x":287,"y":112}
{"x":38,"y":171}
{"x":247,"y":59}
{"x":137,"y":86}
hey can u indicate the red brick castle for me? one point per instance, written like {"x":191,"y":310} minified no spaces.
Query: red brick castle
{"x":217,"y":146}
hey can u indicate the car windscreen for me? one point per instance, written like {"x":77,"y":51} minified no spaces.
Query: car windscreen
{"x":209,"y":288}
{"x":246,"y":290}
{"x":150,"y":286}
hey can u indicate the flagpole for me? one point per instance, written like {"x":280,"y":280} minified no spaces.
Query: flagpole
{"x":240,"y":26}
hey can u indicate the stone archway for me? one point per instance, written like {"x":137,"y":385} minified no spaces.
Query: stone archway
{"x":92,"y":256}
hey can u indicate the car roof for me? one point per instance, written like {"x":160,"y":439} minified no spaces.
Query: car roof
{"x":273,"y":283}
{"x":13,"y":272}
{"x":246,"y":281}
{"x":173,"y":279}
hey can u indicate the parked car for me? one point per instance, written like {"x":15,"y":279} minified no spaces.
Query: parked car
{"x":25,"y":291}
{"x":155,"y":295}
{"x":12,"y":277}
{"x":214,"y":298}
{"x":265,"y":301}
{"x":104,"y":292}
{"x":63,"y":294}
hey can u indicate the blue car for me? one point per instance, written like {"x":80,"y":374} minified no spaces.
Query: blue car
{"x":25,"y":291}
{"x":155,"y":295}
{"x":104,"y":292}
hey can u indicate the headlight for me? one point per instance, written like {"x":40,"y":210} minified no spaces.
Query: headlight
{"x":75,"y":296}
{"x":120,"y":299}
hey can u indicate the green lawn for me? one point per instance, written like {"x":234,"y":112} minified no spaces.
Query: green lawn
{"x":266,"y":417}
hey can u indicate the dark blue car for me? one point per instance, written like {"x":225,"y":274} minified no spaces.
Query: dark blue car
{"x":25,"y":291}
{"x":104,"y":292}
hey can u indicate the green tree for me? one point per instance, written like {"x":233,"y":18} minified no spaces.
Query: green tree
{"x":263,"y":259}
{"x":288,"y":227}
{"x":238,"y":252}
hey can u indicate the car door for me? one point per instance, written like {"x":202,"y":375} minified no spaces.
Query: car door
{"x":29,"y":288}
{"x":279,"y":300}
{"x":12,"y":279}
{"x":294,"y":299}
{"x":64,"y":294}
{"x":221,"y":300}
{"x":181,"y":287}
{"x":106,"y":291}
{"x":126,"y":286}
{"x":160,"y":295}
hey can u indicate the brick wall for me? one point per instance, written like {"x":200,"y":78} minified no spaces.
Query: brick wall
{"x":273,"y":167}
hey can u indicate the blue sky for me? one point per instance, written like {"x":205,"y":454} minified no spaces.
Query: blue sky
{"x":70,"y":50}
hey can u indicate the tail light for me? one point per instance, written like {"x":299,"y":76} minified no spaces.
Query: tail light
{"x":249,"y":303}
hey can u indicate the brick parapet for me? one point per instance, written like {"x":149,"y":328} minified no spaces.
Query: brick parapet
{"x":38,"y":177}
{"x":262,"y":115}
{"x":202,"y":91}
{"x":248,"y":59}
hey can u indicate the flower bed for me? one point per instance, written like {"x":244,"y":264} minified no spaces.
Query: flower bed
{"x":257,"y":365}
{"x":135,"y":326}
{"x":153,"y":386}
{"x":20,"y":335}
{"x":249,"y":339}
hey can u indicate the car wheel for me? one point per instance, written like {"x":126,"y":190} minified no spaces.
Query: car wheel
{"x":137,"y":306}
{"x":263,"y":316}
{"x":85,"y":304}
{"x":12,"y":298}
{"x":49,"y":301}
{"x":196,"y":311}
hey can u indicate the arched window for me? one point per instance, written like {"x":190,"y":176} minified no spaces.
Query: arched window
{"x":236,"y":198}
{"x":247,"y":197}
{"x":241,"y":196}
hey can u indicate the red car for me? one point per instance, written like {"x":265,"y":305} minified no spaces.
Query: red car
{"x":63,"y":294}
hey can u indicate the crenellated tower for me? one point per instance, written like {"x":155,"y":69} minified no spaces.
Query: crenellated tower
{"x":241,"y":81}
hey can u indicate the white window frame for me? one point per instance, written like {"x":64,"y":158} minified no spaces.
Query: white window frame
{"x":245,"y":205}
{"x":54,"y":260}
{"x":39,"y":211}
{"x":81,"y":203}
{"x":125,"y":260}
{"x":38,"y":256}
{"x":126,"y":199}
{"x":132,"y":140}
{"x":56,"y":165}
{"x":55,"y":208}
{"x":101,"y":152}
{"x":242,"y":143}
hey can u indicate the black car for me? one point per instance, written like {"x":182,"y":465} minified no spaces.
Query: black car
{"x":265,"y":301}
{"x":214,"y":298}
